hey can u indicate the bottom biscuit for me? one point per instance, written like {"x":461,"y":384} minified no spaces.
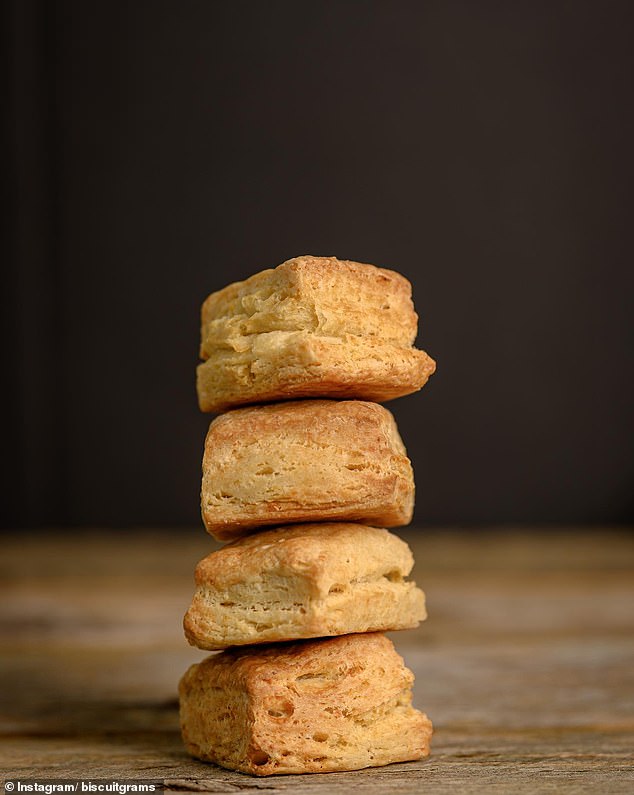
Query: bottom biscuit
{"x":308,"y":707}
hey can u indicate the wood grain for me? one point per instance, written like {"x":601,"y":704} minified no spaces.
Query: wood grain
{"x":526,"y":664}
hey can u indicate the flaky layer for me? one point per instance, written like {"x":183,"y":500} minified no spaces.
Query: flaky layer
{"x":335,"y":704}
{"x":282,"y":365}
{"x":323,"y":295}
{"x":313,"y":460}
{"x":313,"y":327}
{"x":303,"y":581}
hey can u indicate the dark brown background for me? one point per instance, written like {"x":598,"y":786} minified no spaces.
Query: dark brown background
{"x":158,"y":150}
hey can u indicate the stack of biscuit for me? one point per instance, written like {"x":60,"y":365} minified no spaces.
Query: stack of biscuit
{"x":302,"y":474}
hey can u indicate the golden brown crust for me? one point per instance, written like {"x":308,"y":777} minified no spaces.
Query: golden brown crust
{"x":312,"y":327}
{"x":316,"y":706}
{"x":303,"y":581}
{"x":312,"y":460}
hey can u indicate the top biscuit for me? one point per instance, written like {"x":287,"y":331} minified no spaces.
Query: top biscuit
{"x":312,"y":327}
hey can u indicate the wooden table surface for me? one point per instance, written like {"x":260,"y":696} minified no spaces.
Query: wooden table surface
{"x":525,"y":665}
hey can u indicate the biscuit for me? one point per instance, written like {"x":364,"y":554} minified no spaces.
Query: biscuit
{"x":303,"y":581}
{"x":312,"y":327}
{"x":308,"y":707}
{"x":304,"y":461}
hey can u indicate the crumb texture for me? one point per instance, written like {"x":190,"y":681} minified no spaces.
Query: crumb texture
{"x":317,"y":706}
